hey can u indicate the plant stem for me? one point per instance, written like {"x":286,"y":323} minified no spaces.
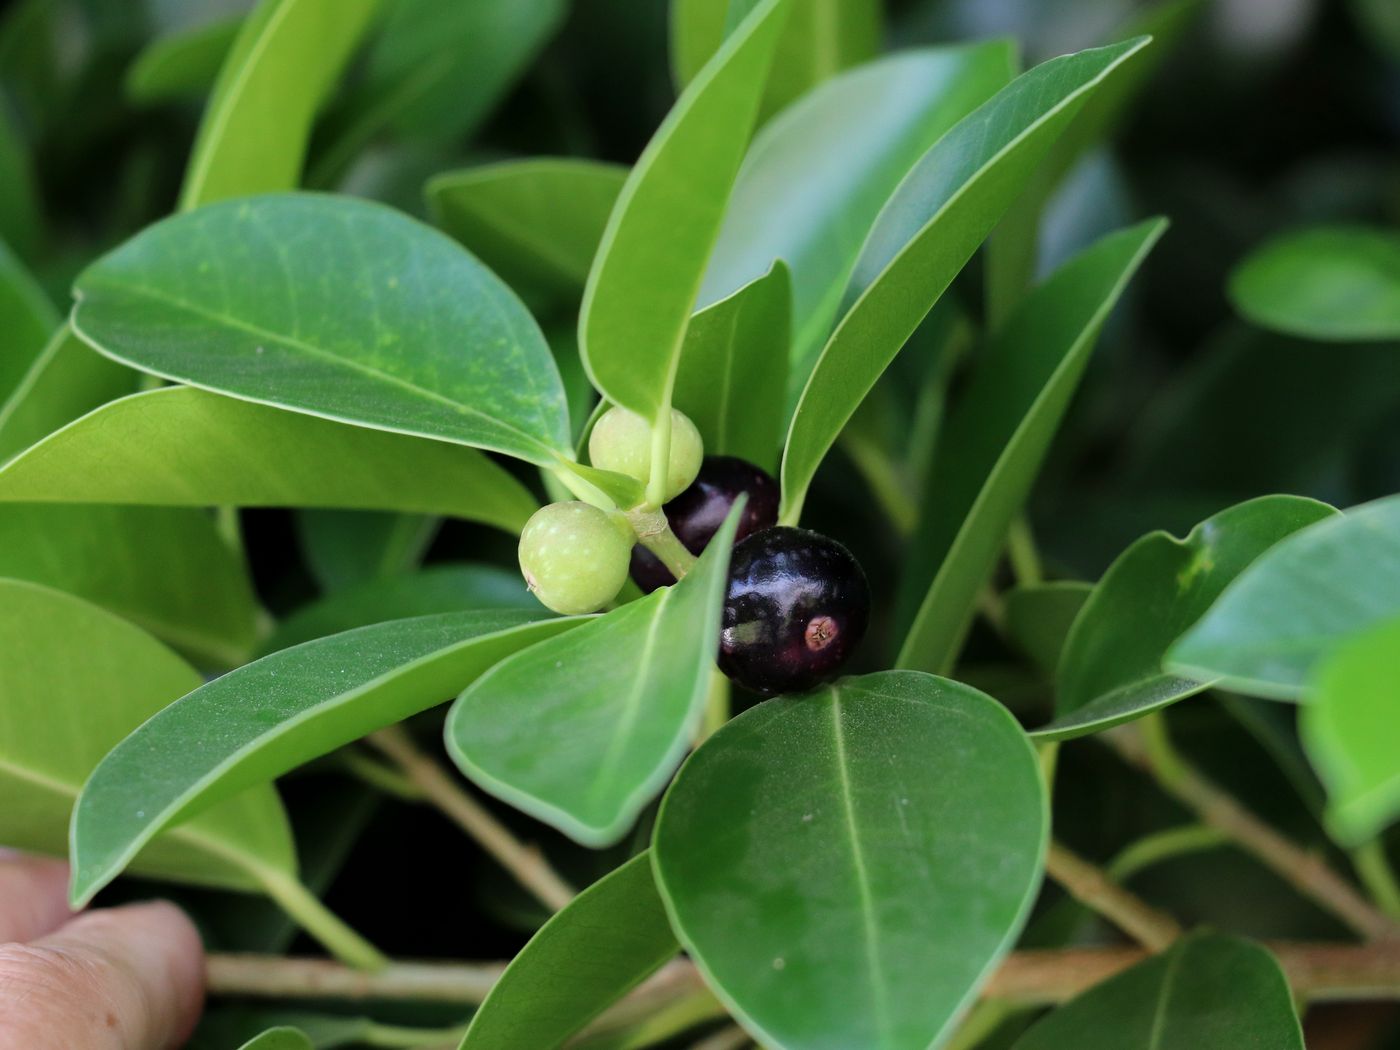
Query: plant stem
{"x":321,"y":923}
{"x":1021,"y":549}
{"x":1377,"y":876}
{"x":731,"y":1037}
{"x":1164,"y":845}
{"x":379,"y":776}
{"x":654,"y":533}
{"x":526,"y":863}
{"x":399,"y":1036}
{"x":1090,"y":885}
{"x":717,"y":708}
{"x":1145,"y":744}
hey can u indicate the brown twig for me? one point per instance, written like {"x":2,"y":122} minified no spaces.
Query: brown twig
{"x":1092,"y":887}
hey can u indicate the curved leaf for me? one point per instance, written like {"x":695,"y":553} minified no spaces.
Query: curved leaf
{"x":281,"y":1038}
{"x":582,"y":731}
{"x":334,"y":307}
{"x":1037,"y":619}
{"x":183,"y":64}
{"x":180,"y":446}
{"x":847,"y":867}
{"x":344,"y":548}
{"x":26,"y":320}
{"x":267,"y":717}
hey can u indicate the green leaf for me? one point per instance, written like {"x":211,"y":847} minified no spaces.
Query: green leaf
{"x":610,"y":938}
{"x":733,"y":372}
{"x":282,"y":1038}
{"x":74,"y":680}
{"x":1037,"y":619}
{"x":583,"y":730}
{"x":643,"y":283}
{"x":437,"y":589}
{"x":183,"y":64}
{"x":817,"y":176}
{"x":941,"y":212}
{"x":1327,"y":282}
{"x":179,"y":446}
{"x":1208,"y":992}
{"x":167,"y":570}
{"x":1291,"y":609}
{"x":1349,"y":731}
{"x":344,"y":548}
{"x":283,"y":63}
{"x":537,"y":223}
{"x":337,"y":308}
{"x":998,"y":434}
{"x":20,"y":214}
{"x":848,"y":866}
{"x":1111,"y":670}
{"x":26,"y":320}
{"x":261,"y":720}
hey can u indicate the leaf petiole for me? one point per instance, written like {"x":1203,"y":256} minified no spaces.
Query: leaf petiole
{"x":654,"y":533}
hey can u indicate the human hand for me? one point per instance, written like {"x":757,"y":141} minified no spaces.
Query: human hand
{"x":129,"y":978}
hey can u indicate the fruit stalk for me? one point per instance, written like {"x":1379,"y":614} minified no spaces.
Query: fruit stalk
{"x":654,"y":533}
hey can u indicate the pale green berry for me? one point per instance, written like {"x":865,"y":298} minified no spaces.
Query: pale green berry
{"x":575,"y":556}
{"x":621,"y":441}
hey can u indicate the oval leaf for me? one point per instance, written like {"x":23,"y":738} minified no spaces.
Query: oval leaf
{"x":337,"y":308}
{"x":847,"y":867}
{"x":265,"y":718}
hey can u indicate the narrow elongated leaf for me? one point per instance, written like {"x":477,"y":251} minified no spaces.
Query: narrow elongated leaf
{"x":1111,"y":670}
{"x":180,"y":446}
{"x":643,"y":284}
{"x":1037,"y":619}
{"x":1349,"y":728}
{"x":998,"y":435}
{"x":20,"y":214}
{"x":1208,"y":993}
{"x":733,"y":372}
{"x":1328,"y":282}
{"x":537,"y":223}
{"x":74,"y":680}
{"x":26,"y":320}
{"x":1292,"y":608}
{"x":941,"y":212}
{"x":348,"y":547}
{"x":583,"y":730}
{"x":265,"y":718}
{"x":281,"y":66}
{"x":817,"y":176}
{"x":609,"y":939}
{"x":878,"y":842}
{"x":184,"y":64}
{"x":334,"y":307}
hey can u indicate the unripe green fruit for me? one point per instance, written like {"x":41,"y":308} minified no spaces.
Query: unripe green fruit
{"x":621,"y":441}
{"x":575,"y":556}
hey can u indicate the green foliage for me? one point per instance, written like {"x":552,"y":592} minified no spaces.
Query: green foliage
{"x":183,"y":64}
{"x":281,"y":1038}
{"x":26,"y":319}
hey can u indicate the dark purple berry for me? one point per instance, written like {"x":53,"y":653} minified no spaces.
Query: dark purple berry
{"x":798,"y":603}
{"x":698,"y":512}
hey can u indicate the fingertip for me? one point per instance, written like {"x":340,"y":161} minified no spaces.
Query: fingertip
{"x":33,"y":896}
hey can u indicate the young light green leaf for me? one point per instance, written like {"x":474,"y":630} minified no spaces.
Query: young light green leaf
{"x":998,"y":435}
{"x":941,"y":212}
{"x":818,"y":175}
{"x":280,"y":1038}
{"x":179,"y":446}
{"x":1111,"y":669}
{"x":344,"y":548}
{"x":610,"y":938}
{"x":888,"y":846}
{"x":334,"y":307}
{"x":261,"y":720}
{"x":1290,"y":610}
{"x":1037,"y":619}
{"x":26,"y":320}
{"x":583,"y":730}
{"x":643,"y":283}
{"x":183,"y":64}
{"x":733,"y":372}
{"x":1349,"y":730}
{"x":1327,"y":282}
{"x":537,"y":223}
{"x":74,"y":679}
{"x":1208,"y":992}
{"x":282,"y":64}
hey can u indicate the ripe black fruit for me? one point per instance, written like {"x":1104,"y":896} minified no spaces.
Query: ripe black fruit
{"x":698,"y":512}
{"x":797,"y":604}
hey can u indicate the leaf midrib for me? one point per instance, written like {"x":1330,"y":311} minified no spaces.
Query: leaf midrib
{"x":1159,"y":1017}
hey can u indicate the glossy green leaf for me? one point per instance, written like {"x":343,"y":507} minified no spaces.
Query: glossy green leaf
{"x":1349,"y":728}
{"x":27,"y":319}
{"x":348,"y":547}
{"x":438,"y":589}
{"x":537,"y":223}
{"x":74,"y":679}
{"x":1111,"y":670}
{"x":337,"y":308}
{"x":609,"y":939}
{"x":184,"y":64}
{"x":847,"y":867}
{"x":1293,"y":607}
{"x":257,"y":722}
{"x":732,"y":379}
{"x":1209,"y":992}
{"x":1327,"y":282}
{"x":282,"y":64}
{"x":583,"y":730}
{"x":998,"y":434}
{"x":179,"y":446}
{"x":817,"y":176}
{"x":281,"y":1038}
{"x":167,"y":570}
{"x":941,"y":212}
{"x":1037,"y":619}
{"x":644,"y":281}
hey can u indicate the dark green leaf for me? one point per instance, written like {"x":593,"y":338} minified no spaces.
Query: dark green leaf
{"x":20,"y":215}
{"x":27,"y":319}
{"x":348,"y":547}
{"x":280,"y":1039}
{"x":185,"y":64}
{"x":1037,"y":619}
